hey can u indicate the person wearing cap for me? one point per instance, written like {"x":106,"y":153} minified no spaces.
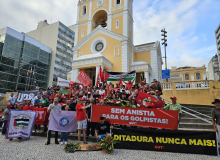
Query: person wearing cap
{"x":104,"y":102}
{"x":156,"y":86}
{"x":216,"y":118}
{"x":133,"y":103}
{"x":6,"y":114}
{"x":97,"y":101}
{"x":174,"y":106}
{"x":157,"y":95}
{"x":82,"y":118}
{"x":103,"y":127}
{"x":63,"y":103}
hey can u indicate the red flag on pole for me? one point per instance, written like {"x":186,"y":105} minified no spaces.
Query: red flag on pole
{"x":106,"y":75}
{"x":120,"y":82}
{"x":84,"y":79}
{"x":101,"y":74}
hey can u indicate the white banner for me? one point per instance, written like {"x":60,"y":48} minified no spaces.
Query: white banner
{"x":20,"y":124}
{"x":62,"y":82}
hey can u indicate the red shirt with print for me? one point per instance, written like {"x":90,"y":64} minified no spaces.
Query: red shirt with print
{"x":81,"y":113}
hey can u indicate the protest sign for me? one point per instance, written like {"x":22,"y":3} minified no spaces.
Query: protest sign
{"x":20,"y":124}
{"x":32,"y":95}
{"x":196,"y":142}
{"x":137,"y":117}
{"x":62,"y":121}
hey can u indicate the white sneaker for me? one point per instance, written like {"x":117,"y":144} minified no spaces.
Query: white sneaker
{"x":33,"y":131}
{"x":37,"y":131}
{"x":65,"y":142}
{"x":71,"y":134}
{"x":61,"y":142}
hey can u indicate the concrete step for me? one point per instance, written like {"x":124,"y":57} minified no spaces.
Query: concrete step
{"x":208,"y":113}
{"x":197,"y":106}
{"x":193,"y":120}
{"x":196,"y":129}
{"x":184,"y":115}
{"x":195,"y":125}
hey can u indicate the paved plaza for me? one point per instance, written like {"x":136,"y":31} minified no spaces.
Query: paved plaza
{"x":35,"y":149}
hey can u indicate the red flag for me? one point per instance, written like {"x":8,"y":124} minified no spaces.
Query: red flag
{"x":120,"y":82}
{"x":101,"y":74}
{"x":106,"y":76}
{"x":84,"y":79}
{"x":143,"y":97}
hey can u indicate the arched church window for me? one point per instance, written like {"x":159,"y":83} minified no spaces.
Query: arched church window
{"x":198,"y":76}
{"x":187,"y":77}
{"x":118,"y":2}
{"x":84,"y":8}
{"x":117,"y":51}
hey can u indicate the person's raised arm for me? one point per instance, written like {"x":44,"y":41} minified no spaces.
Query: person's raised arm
{"x":87,"y":106}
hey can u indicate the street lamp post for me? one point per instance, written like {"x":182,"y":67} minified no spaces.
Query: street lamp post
{"x":19,"y":68}
{"x":164,"y":32}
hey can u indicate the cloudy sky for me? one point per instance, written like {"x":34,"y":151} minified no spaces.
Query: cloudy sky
{"x":190,"y":23}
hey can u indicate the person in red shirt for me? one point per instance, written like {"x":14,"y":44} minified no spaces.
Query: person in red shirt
{"x":53,"y":94}
{"x":129,"y":84}
{"x":28,"y":107}
{"x":82,"y":118}
{"x":106,"y":93}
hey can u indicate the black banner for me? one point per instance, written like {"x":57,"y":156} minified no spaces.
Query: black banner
{"x":167,"y":141}
{"x":32,"y":95}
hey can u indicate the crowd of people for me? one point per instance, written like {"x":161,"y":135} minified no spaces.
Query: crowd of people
{"x":80,"y":99}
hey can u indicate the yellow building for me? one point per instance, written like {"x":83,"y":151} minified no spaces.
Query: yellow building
{"x":104,"y":37}
{"x":187,"y":74}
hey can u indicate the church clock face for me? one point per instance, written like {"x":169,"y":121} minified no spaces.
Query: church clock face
{"x":99,"y":46}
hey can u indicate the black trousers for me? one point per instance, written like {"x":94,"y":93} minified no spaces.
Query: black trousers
{"x":92,"y":126}
{"x":49,"y":136}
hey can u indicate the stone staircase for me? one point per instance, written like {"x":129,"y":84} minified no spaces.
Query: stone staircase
{"x":191,"y":123}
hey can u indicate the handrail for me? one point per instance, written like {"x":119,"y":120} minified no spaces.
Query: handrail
{"x":194,"y":114}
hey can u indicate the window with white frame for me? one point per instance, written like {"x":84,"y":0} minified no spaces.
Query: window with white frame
{"x":186,"y":77}
{"x":84,"y":9}
{"x":117,"y":51}
{"x":117,"y":2}
{"x":117,"y":24}
{"x":198,"y":76}
{"x":82,"y":33}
